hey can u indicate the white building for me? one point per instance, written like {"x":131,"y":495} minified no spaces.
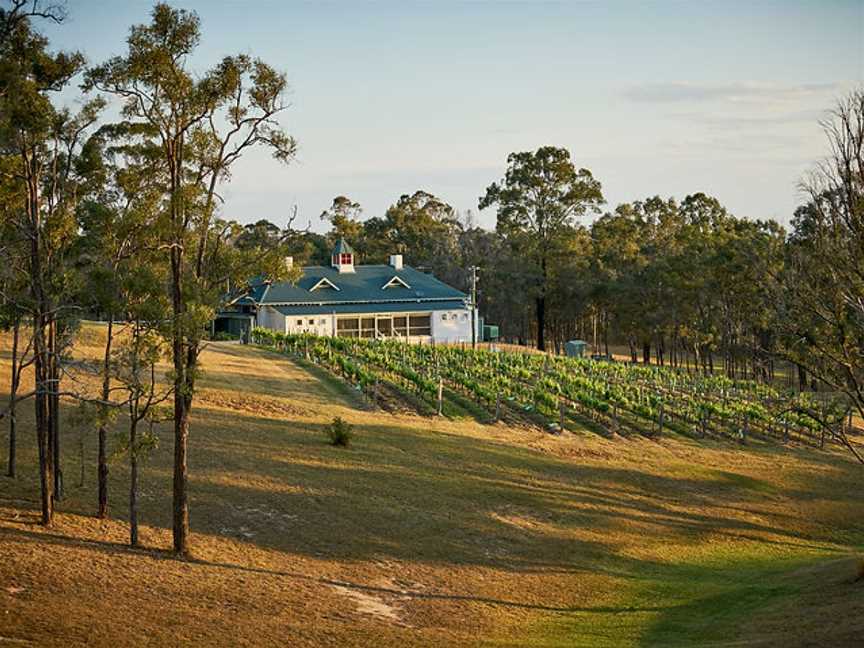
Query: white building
{"x":368,"y":301}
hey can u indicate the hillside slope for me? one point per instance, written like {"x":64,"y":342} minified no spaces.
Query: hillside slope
{"x":432,"y":532}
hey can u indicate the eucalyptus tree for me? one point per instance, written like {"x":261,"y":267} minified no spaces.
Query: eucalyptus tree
{"x":821,"y":290}
{"x":42,"y":168}
{"x":134,"y":367}
{"x":197,"y":128}
{"x":538,"y":201}
{"x":13,"y":310}
{"x":417,"y":225}
{"x":344,"y":218}
{"x":119,"y":234}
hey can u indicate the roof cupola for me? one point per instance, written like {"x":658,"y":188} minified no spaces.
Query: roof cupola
{"x":343,"y":257}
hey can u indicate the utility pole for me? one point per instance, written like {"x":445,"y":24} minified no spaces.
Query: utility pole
{"x":473,"y":306}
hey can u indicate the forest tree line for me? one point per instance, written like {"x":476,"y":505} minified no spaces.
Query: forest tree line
{"x":119,"y":214}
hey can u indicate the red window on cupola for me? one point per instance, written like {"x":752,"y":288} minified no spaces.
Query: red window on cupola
{"x":346,"y":260}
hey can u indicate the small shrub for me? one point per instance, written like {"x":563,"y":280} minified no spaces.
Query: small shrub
{"x":339,"y":432}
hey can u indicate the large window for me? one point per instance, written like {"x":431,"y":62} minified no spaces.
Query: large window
{"x":348,"y":327}
{"x":355,"y":327}
{"x":398,"y":326}
{"x":420,"y":324}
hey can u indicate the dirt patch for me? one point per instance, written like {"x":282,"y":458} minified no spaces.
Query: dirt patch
{"x":366,"y":603}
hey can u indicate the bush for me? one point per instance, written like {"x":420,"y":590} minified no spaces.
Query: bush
{"x":339,"y":432}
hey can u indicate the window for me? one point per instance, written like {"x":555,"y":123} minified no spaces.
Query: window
{"x":311,"y":322}
{"x":420,"y":324}
{"x":400,"y":325}
{"x":348,"y":327}
{"x":346,"y":259}
{"x":444,"y":316}
{"x":385,"y":326}
{"x":464,"y":317}
{"x":322,"y":322}
{"x":355,"y":327}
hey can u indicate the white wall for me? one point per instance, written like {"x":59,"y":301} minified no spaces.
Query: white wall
{"x":452,"y":326}
{"x":317,"y":324}
{"x":455,"y":328}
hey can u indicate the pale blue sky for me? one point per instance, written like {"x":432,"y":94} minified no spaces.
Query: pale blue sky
{"x":661,"y":98}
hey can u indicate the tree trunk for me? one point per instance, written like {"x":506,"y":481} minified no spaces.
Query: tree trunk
{"x":181,"y":412}
{"x":541,"y":306}
{"x":646,"y":353}
{"x":46,"y":478}
{"x":133,"y":480}
{"x":13,"y":393}
{"x":103,"y":432}
{"x":54,"y":406}
{"x":40,"y":368}
{"x":606,"y":333}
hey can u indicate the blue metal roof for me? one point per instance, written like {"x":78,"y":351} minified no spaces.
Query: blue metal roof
{"x":393,"y":307}
{"x":342,"y":247}
{"x":364,"y":285}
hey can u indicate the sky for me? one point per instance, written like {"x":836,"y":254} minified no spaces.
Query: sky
{"x":655,"y":98}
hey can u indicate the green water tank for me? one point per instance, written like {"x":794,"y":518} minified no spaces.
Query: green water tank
{"x":575,"y":348}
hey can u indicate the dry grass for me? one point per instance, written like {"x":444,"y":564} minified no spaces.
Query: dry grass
{"x":432,"y":532}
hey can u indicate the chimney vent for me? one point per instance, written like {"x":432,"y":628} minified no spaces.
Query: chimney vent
{"x":396,"y":261}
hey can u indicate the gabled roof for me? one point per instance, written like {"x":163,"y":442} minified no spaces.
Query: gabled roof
{"x":342,"y":247}
{"x":324,"y":282}
{"x":396,"y":281}
{"x":365,"y":285}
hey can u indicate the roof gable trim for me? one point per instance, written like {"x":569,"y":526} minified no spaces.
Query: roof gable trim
{"x":324,"y":282}
{"x":394,"y":282}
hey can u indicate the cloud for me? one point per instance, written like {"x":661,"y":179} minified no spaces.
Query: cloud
{"x":738,"y":93}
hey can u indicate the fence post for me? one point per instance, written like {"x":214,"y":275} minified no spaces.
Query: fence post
{"x":561,"y":411}
{"x":498,"y":407}
{"x":440,"y":396}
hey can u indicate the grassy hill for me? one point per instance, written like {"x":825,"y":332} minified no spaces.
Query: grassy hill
{"x":431,"y":532}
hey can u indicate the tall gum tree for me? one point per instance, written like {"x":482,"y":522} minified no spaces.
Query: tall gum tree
{"x":197,"y":128}
{"x":40,"y":146}
{"x":821,"y":288}
{"x":538,"y":201}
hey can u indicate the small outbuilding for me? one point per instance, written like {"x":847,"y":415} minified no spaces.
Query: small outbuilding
{"x":575,"y":348}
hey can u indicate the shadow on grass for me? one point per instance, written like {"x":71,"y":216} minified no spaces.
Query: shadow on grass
{"x":441,"y":498}
{"x":114,"y":548}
